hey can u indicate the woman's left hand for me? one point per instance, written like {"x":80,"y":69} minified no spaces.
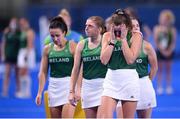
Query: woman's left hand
{"x":124,"y":31}
{"x":78,"y":95}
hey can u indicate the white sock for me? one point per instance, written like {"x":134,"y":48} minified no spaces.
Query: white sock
{"x":25,"y":86}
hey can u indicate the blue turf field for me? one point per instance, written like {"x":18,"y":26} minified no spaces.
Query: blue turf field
{"x":168,"y":105}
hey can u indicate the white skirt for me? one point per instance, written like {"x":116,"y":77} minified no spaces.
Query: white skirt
{"x":92,"y":92}
{"x":58,"y":91}
{"x":22,"y":58}
{"x":31,"y":59}
{"x":26,"y":59}
{"x":122,"y":84}
{"x":147,"y":94}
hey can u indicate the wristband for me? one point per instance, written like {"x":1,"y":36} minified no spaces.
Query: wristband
{"x":71,"y":91}
{"x":110,"y":43}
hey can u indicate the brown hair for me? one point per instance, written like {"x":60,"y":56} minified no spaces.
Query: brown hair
{"x":58,"y":22}
{"x":108,"y":22}
{"x":120,"y":17}
{"x":99,"y":21}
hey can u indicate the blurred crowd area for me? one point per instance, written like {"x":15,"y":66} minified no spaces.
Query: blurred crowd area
{"x":37,"y":14}
{"x":31,"y":17}
{"x":148,"y":12}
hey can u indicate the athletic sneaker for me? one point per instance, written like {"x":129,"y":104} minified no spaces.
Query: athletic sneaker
{"x":169,"y":90}
{"x":160,"y":90}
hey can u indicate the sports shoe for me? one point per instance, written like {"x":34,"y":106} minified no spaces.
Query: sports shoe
{"x":169,"y":90}
{"x":160,"y":90}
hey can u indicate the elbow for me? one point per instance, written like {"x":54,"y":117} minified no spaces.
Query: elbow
{"x":39,"y":75}
{"x":103,"y":60}
{"x":75,"y":72}
{"x":130,"y":61}
{"x":156,"y":69}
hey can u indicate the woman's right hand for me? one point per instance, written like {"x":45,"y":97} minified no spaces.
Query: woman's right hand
{"x":72,"y":99}
{"x":38,"y":99}
{"x":112,"y":33}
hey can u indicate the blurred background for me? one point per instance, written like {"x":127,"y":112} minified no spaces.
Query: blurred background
{"x":38,"y":12}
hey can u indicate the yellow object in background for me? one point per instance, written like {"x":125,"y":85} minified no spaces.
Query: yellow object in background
{"x":79,"y":112}
{"x":47,"y":110}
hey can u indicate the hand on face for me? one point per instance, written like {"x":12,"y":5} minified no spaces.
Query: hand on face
{"x":112,"y":32}
{"x":124,"y":31}
{"x":119,"y":32}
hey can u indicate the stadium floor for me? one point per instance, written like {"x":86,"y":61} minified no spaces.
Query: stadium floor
{"x":12,"y":107}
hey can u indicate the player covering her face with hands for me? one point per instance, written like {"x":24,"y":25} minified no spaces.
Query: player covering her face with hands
{"x":120,"y":48}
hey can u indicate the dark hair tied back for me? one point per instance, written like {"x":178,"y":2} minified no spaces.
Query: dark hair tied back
{"x":119,"y":12}
{"x":58,"y":22}
{"x":120,"y":16}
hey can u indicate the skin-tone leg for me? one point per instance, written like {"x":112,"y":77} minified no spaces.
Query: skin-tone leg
{"x":68,"y":111}
{"x":98,"y":112}
{"x":17,"y":79}
{"x":168,"y":73}
{"x":119,"y":112}
{"x":144,"y":113}
{"x":23,"y":71}
{"x":159,"y":74}
{"x":91,"y":112}
{"x":6,"y":79}
{"x":56,"y":112}
{"x":107,"y":108}
{"x":129,"y":109}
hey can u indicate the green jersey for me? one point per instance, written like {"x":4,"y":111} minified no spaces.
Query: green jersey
{"x":11,"y":45}
{"x":92,"y":66}
{"x":23,"y":40}
{"x":142,"y":64}
{"x":60,"y":62}
{"x":47,"y":40}
{"x":165,"y":39}
{"x":117,"y":60}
